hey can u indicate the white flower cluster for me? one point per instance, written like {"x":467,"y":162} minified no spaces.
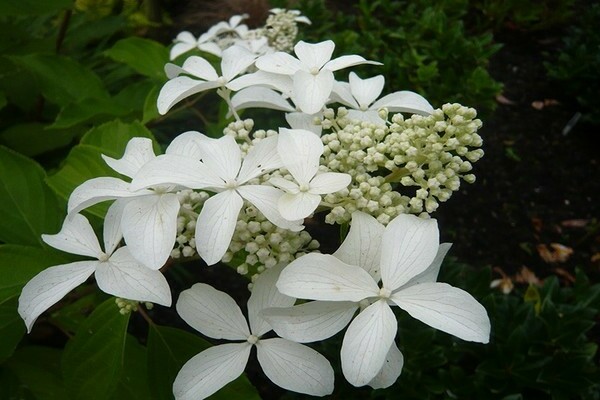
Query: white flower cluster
{"x":428,"y":154}
{"x":243,"y":198}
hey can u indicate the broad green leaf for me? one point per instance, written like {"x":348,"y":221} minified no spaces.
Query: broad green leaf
{"x":62,"y":79}
{"x":93,"y":360}
{"x":143,"y":55}
{"x":170,"y":348}
{"x":12,"y":328}
{"x":18,"y":264}
{"x":3,"y":100}
{"x":28,"y":207}
{"x":32,"y":7}
{"x":150,"y":108}
{"x":32,"y":138}
{"x":38,"y":369}
{"x":134,"y":378}
{"x":113,"y":136}
{"x":69,"y":317}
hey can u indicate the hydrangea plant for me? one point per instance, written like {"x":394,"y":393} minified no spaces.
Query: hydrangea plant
{"x":381,"y":166}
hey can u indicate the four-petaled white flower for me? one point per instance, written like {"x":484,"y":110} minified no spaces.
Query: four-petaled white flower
{"x":149,"y":216}
{"x":312,"y":72}
{"x":236,"y":59}
{"x":360,"y":95}
{"x":215,"y":314}
{"x":185,"y":42}
{"x":400,"y":256}
{"x":116,"y":271}
{"x":222,"y":171}
{"x":300,"y":151}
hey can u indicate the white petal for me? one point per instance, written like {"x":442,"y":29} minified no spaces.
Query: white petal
{"x":312,"y":321}
{"x":171,"y":169}
{"x":408,"y":247}
{"x":312,"y":91}
{"x":295,"y":367}
{"x":76,"y":237}
{"x":150,"y":227}
{"x":300,"y":151}
{"x":366,"y":91}
{"x":187,"y":145}
{"x":137,"y":153}
{"x":210,"y":370}
{"x":222,"y":156}
{"x":362,"y":245}
{"x":49,"y":286}
{"x":298,"y":206}
{"x":391,"y":370}
{"x":314,"y":55}
{"x":179,"y":49}
{"x":371,"y":116}
{"x":113,"y":232}
{"x":123,"y":276}
{"x":200,"y":68}
{"x":261,"y":159}
{"x":367,"y":343}
{"x":97,"y":190}
{"x":216,"y":224}
{"x":279,"y":63}
{"x":260,"y":97}
{"x":264,"y":295}
{"x":446,"y":308}
{"x":265,"y":199}
{"x":281,"y":83}
{"x":178,"y":89}
{"x":404,"y":101}
{"x":212,"y":313}
{"x":347,"y":61}
{"x":235,"y":61}
{"x":299,"y":120}
{"x":431,"y":273}
{"x":324,"y":277}
{"x":329,"y":182}
{"x":285,"y":185}
{"x":211,"y":48}
{"x":341,"y":94}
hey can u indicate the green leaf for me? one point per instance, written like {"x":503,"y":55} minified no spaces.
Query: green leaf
{"x":18,"y":264}
{"x":12,"y":328}
{"x":3,"y":100}
{"x":113,"y":137}
{"x":143,"y":55}
{"x":33,"y":7}
{"x":134,"y":379}
{"x":169,"y":349}
{"x":150,"y":108}
{"x":93,"y":360}
{"x":38,"y":369}
{"x":28,"y":207}
{"x":32,"y":139}
{"x":62,"y":79}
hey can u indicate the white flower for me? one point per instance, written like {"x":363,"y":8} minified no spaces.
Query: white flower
{"x":400,"y":256}
{"x":215,"y":314}
{"x":236,"y":59}
{"x":116,"y":271}
{"x":149,"y":216}
{"x":360,"y":95}
{"x":185,"y":42}
{"x":221,"y":170}
{"x":232,"y":26}
{"x":312,"y":71}
{"x":298,"y":17}
{"x":300,"y":151}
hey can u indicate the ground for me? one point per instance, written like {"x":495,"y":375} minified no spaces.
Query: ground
{"x":535,"y":185}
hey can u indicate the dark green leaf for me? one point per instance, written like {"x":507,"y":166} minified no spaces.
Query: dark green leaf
{"x":143,"y":55}
{"x":93,"y":360}
{"x":28,"y":207}
{"x":150,"y":109}
{"x":38,"y":369}
{"x":134,"y":379}
{"x":113,"y":137}
{"x":12,"y":328}
{"x":62,"y":79}
{"x":33,"y":7}
{"x":32,"y":139}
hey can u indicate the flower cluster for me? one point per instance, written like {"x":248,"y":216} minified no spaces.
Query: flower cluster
{"x":242,"y":199}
